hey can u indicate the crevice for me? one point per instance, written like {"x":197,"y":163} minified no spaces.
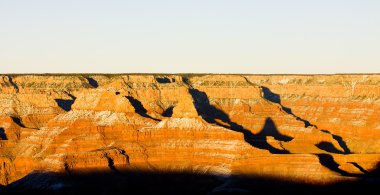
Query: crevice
{"x":66,"y":167}
{"x":5,"y":173}
{"x":139,"y":108}
{"x":282,"y":146}
{"x":145,"y":154}
{"x":122,"y":152}
{"x":248,"y":81}
{"x":102,"y":132}
{"x":111,"y":163}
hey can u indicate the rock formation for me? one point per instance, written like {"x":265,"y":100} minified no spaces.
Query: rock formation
{"x":313,"y":129}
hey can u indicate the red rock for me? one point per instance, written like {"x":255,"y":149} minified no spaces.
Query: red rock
{"x":288,"y":127}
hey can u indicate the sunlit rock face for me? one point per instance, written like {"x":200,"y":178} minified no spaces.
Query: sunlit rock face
{"x":316,"y":129}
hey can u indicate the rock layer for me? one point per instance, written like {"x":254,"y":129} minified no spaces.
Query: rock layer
{"x":316,"y":129}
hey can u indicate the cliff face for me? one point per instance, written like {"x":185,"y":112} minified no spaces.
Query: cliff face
{"x":316,"y":129}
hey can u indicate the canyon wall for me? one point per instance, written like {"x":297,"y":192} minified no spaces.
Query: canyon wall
{"x":317,"y":129}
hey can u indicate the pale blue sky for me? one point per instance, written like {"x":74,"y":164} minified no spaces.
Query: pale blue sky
{"x":219,"y":36}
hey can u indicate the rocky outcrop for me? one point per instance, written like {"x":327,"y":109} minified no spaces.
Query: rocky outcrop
{"x":314,"y":129}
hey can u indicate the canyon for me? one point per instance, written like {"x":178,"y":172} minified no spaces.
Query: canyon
{"x":219,"y":134}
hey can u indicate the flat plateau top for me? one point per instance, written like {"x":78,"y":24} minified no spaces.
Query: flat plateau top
{"x":184,"y":74}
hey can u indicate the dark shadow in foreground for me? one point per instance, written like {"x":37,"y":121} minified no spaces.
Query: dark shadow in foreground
{"x":134,"y":182}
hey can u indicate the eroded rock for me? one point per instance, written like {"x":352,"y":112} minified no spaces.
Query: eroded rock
{"x":315,"y":129}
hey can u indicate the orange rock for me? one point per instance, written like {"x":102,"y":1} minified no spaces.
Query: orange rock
{"x":185,"y":107}
{"x":315,"y":129}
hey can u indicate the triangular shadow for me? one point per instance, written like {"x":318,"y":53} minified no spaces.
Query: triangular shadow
{"x":270,"y":129}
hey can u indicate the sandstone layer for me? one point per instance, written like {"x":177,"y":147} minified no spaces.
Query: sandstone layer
{"x":314,"y":129}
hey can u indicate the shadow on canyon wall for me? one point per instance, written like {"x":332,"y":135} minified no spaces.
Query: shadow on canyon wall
{"x":341,"y":142}
{"x":115,"y":181}
{"x":329,"y":147}
{"x":92,"y":82}
{"x":326,"y":146}
{"x":213,"y":115}
{"x":168,"y":112}
{"x":359,"y":167}
{"x":275,"y":98}
{"x":17,"y":121}
{"x":147,"y":182}
{"x":66,"y":104}
{"x":13,"y":83}
{"x":163,"y":80}
{"x":139,"y":108}
{"x":328,"y":161}
{"x":3,"y":136}
{"x":270,"y":129}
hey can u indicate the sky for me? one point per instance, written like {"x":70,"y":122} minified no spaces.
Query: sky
{"x":192,"y":36}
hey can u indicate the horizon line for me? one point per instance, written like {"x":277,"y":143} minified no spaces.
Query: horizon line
{"x":134,"y":73}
